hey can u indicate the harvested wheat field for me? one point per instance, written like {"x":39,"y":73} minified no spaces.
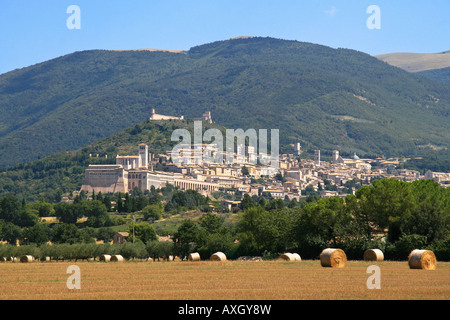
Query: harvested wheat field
{"x":226,"y":280}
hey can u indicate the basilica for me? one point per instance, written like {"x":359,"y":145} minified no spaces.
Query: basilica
{"x":131,"y":172}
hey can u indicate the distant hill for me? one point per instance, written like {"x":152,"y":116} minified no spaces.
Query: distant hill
{"x":416,"y":62}
{"x":322,"y":97}
{"x":435,"y":66}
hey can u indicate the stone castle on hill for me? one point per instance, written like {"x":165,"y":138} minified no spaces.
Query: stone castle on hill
{"x":155,"y":116}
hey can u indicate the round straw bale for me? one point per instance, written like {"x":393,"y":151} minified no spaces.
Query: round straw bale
{"x":422,"y":259}
{"x":105,"y":257}
{"x":3,"y":259}
{"x":26,"y":258}
{"x":194,"y":256}
{"x":297,"y":257}
{"x":287,"y":256}
{"x":373,"y":255}
{"x":12,"y":259}
{"x":150,"y":259}
{"x":218,"y":256}
{"x":334,"y":258}
{"x":116,"y":258}
{"x":47,"y":258}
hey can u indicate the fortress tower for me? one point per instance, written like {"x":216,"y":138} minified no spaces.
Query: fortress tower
{"x":298,"y":148}
{"x":205,"y":117}
{"x":317,"y":157}
{"x":335,"y":156}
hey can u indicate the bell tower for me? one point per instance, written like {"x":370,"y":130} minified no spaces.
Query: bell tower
{"x":143,"y":156}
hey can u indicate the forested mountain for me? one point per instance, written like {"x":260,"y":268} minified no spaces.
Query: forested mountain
{"x":442,"y":75}
{"x":322,"y":97}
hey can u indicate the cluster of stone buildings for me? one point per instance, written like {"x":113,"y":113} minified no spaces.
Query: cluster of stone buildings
{"x":297,"y":175}
{"x":130,"y":172}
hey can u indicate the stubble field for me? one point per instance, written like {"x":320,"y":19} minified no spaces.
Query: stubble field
{"x":229,"y":280}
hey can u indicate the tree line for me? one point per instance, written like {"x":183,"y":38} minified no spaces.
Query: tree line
{"x":26,"y":221}
{"x":390,"y":214}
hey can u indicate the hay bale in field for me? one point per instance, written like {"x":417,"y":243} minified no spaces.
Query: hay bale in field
{"x":287,"y":256}
{"x":45,"y":259}
{"x":297,"y":257}
{"x":422,"y":259}
{"x":290,"y":257}
{"x":373,"y":255}
{"x":334,"y":258}
{"x":194,"y":256}
{"x":218,"y":256}
{"x":117,"y":258}
{"x":105,"y":257}
{"x":12,"y":259}
{"x":26,"y":258}
{"x":3,"y":259}
{"x":150,"y":259}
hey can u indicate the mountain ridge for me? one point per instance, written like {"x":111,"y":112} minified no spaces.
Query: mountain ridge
{"x":322,"y":97}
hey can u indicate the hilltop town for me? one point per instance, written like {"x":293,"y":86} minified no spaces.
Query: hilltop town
{"x":294,"y":178}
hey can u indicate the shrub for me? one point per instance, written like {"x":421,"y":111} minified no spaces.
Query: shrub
{"x":132,"y":250}
{"x":400,"y":249}
{"x":442,"y":250}
{"x":160,"y":249}
{"x":354,"y":249}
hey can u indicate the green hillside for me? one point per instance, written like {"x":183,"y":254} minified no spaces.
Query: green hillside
{"x":325,"y":98}
{"x":442,"y":75}
{"x":51,"y":177}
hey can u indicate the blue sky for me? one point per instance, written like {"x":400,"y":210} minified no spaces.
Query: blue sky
{"x":32,"y":31}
